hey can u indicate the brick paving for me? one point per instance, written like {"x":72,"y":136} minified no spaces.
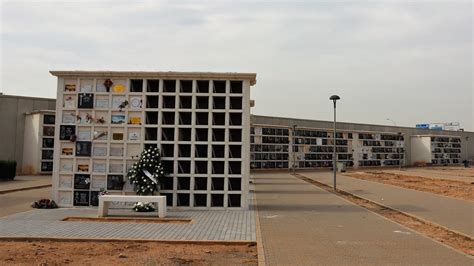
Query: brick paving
{"x":455,"y":214}
{"x":304,"y":225}
{"x":218,"y":225}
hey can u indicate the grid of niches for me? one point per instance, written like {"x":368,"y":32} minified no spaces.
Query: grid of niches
{"x":269,"y":148}
{"x":445,"y":150}
{"x":197,"y":124}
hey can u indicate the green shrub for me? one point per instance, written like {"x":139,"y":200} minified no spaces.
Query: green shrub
{"x":7,"y":170}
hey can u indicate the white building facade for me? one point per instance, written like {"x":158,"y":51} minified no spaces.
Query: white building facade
{"x":200,"y":121}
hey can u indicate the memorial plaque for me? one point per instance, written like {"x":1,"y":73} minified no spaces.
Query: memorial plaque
{"x":95,"y":198}
{"x":66,"y":131}
{"x":83,"y":148}
{"x":115,"y":182}
{"x":48,"y":143}
{"x":81,"y":198}
{"x":86,"y":101}
{"x":82,"y":181}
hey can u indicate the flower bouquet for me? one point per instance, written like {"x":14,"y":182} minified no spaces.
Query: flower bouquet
{"x":143,"y":207}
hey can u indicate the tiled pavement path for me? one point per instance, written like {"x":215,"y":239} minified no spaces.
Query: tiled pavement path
{"x":456,"y":214}
{"x":304,"y":225}
{"x":232,"y":225}
{"x":25,"y":181}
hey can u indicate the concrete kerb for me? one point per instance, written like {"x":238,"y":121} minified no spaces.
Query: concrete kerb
{"x":23,"y":188}
{"x":74,"y":239}
{"x":392,"y":221}
{"x":258,"y":233}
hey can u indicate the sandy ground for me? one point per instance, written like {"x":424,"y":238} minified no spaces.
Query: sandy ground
{"x":447,"y":187}
{"x":123,"y":253}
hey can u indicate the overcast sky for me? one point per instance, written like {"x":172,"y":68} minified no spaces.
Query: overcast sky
{"x":409,"y":61}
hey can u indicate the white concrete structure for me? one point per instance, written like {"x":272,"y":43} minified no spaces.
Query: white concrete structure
{"x":38,"y":143}
{"x":106,"y":199}
{"x":436,"y":150}
{"x":199,"y":120}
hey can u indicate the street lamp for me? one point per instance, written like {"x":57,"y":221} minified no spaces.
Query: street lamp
{"x":392,"y":121}
{"x":334,"y":99}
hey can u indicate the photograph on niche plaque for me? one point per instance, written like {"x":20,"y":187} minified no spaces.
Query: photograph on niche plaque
{"x":66,"y":131}
{"x":81,"y":198}
{"x":82,"y":181}
{"x":118,"y":119}
{"x":83,"y":148}
{"x":48,"y":143}
{"x":86,"y":101}
{"x":115,"y":182}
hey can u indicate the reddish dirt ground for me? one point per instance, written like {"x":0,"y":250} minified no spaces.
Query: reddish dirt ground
{"x":450,"y":188}
{"x":124,"y":253}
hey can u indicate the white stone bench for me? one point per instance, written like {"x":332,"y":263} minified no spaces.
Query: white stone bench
{"x":106,"y":199}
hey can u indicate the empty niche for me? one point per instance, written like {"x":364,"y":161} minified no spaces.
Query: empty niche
{"x":167,"y":118}
{"x":153,"y":85}
{"x":235,"y":151}
{"x":167,"y":150}
{"x":219,"y":86}
{"x":201,"y":151}
{"x":183,"y":199}
{"x":217,"y":167}
{"x":217,"y":200}
{"x":169,"y":85}
{"x":201,"y":134}
{"x":201,"y":118}
{"x":235,"y":135}
{"x":168,"y":102}
{"x":200,"y":200}
{"x":202,"y":102}
{"x":200,"y":183}
{"x":217,"y":183}
{"x":218,"y":118}
{"x":184,"y":167}
{"x":235,"y":168}
{"x":151,"y":101}
{"x":136,"y":85}
{"x":167,"y":166}
{"x":235,"y":184}
{"x":202,"y":86}
{"x":184,"y":134}
{"x":186,"y":86}
{"x":236,"y":103}
{"x":218,"y":102}
{"x":185,"y":102}
{"x":151,"y":133}
{"x":169,"y":198}
{"x":218,"y":134}
{"x":184,"y":150}
{"x":185,"y":118}
{"x":167,"y":134}
{"x":233,"y":200}
{"x":235,"y":119}
{"x":184,"y":183}
{"x":151,"y":118}
{"x":167,"y":183}
{"x":218,"y":151}
{"x":200,"y":167}
{"x":150,"y":146}
{"x":236,"y":86}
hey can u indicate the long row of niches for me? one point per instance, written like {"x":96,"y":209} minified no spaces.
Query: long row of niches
{"x":150,"y":86}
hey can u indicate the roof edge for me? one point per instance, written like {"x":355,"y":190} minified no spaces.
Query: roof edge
{"x":162,"y":74}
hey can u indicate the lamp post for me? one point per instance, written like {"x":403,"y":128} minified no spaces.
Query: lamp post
{"x":391,"y":120}
{"x":334,"y":99}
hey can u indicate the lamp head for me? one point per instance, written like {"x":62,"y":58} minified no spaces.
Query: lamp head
{"x":334,"y":98}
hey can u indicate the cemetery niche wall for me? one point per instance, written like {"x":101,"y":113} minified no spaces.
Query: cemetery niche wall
{"x":199,"y":121}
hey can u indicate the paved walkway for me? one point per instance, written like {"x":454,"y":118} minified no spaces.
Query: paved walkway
{"x":304,"y":225}
{"x":232,"y":225}
{"x":20,"y":201}
{"x":453,"y":213}
{"x":25,"y":181}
